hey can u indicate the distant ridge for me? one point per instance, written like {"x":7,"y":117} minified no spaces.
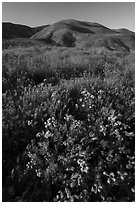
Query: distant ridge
{"x":11,"y":30}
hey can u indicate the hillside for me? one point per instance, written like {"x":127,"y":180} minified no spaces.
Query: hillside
{"x":87,"y":34}
{"x":76,"y":27}
{"x":73,"y":33}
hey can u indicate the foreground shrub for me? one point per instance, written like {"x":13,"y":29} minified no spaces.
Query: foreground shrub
{"x":78,"y":142}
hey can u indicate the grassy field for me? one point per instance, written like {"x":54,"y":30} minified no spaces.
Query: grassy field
{"x":68,"y":123}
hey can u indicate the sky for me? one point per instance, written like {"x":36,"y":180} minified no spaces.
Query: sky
{"x":110,"y":14}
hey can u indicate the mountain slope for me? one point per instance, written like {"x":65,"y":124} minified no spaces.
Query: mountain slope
{"x":38,"y":28}
{"x":87,"y":34}
{"x":81,"y":27}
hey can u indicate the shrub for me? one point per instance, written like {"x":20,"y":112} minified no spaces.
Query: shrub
{"x":83,"y":148}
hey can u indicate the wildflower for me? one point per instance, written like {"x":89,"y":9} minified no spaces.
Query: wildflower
{"x":76,"y":105}
{"x":92,"y":97}
{"x":48,"y":134}
{"x":30,"y":122}
{"x":80,"y":99}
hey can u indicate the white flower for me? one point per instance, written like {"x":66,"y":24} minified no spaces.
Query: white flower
{"x":80,"y":99}
{"x":108,"y":181}
{"x":92,"y":97}
{"x":30,"y":122}
{"x":76,"y":105}
{"x":48,"y":134}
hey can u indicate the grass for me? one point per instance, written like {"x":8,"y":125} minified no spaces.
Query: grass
{"x":64,"y":63}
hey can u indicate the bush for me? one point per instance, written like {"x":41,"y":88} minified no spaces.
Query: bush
{"x":80,"y":146}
